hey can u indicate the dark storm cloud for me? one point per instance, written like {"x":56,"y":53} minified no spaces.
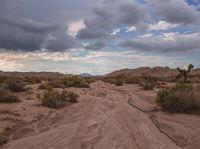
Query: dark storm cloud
{"x":91,"y":33}
{"x":130,"y":14}
{"x":15,"y":39}
{"x":97,"y":26}
{"x":28,"y":35}
{"x":176,"y":43}
{"x":60,"y":41}
{"x":174,"y":11}
{"x":29,"y":25}
{"x":101,"y":22}
{"x":34,"y":24}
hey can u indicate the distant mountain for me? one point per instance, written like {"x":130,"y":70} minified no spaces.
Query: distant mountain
{"x":85,"y":75}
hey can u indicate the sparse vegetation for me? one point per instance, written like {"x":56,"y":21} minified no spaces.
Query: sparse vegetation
{"x":71,"y":96}
{"x":119,"y":83}
{"x":184,"y":74}
{"x":16,"y":86}
{"x":5,"y":111}
{"x":54,"y":99}
{"x":75,"y":81}
{"x":29,"y":92}
{"x":42,"y":86}
{"x":7,"y":96}
{"x":180,"y":98}
{"x":32,"y":80}
{"x":56,"y":84}
{"x":3,"y":139}
{"x":148,"y":86}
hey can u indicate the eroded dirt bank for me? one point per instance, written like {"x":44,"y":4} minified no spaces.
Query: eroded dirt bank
{"x":110,"y":117}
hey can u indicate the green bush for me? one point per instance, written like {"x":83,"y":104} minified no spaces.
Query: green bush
{"x":16,"y":86}
{"x":7,"y":97}
{"x":54,"y":99}
{"x":75,"y":81}
{"x":180,"y":98}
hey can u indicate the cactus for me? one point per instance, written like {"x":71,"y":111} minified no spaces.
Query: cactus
{"x":183,"y":73}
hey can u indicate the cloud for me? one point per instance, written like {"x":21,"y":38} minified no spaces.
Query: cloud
{"x":74,"y":27}
{"x":162,"y":25}
{"x":96,"y":46}
{"x":169,"y":42}
{"x":115,"y":31}
{"x":173,"y":11}
{"x":29,"y":35}
{"x":130,"y":14}
{"x":102,"y":21}
{"x":97,"y":26}
{"x":29,"y":25}
{"x":130,"y":29}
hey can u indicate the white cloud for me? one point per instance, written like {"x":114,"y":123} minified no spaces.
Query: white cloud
{"x":115,"y":31}
{"x":162,"y":25}
{"x":146,"y":35}
{"x":130,"y":29}
{"x":10,"y":65}
{"x":74,"y":27}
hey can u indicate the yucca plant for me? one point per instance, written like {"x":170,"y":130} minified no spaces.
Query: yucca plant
{"x":183,"y":73}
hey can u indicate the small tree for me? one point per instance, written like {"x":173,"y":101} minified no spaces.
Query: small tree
{"x":183,"y":73}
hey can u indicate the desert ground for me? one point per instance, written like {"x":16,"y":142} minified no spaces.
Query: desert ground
{"x":106,"y":116}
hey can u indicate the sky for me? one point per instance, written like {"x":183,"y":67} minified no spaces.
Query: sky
{"x":98,"y":36}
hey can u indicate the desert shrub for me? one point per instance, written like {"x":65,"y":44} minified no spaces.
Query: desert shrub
{"x":5,"y":111}
{"x":132,"y":80}
{"x":38,"y":95}
{"x":16,"y":86}
{"x":54,"y":99}
{"x":3,"y":79}
{"x":32,"y":80}
{"x":7,"y":97}
{"x":42,"y":86}
{"x":180,"y":98}
{"x":56,"y":84}
{"x":3,"y":139}
{"x":148,"y":86}
{"x":118,"y":83}
{"x":29,"y":91}
{"x":110,"y":80}
{"x":70,"y":96}
{"x":75,"y":81}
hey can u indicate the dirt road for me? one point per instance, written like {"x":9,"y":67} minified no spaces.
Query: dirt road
{"x":110,"y":117}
